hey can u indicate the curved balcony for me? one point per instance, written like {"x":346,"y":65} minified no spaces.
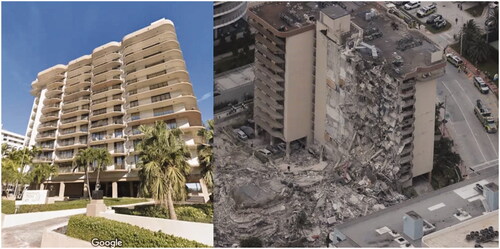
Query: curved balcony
{"x":77,"y":133}
{"x":76,"y":94}
{"x":268,"y":53}
{"x":49,"y":117}
{"x":186,"y":99}
{"x":107,"y":139}
{"x":78,"y":71}
{"x":74,"y":145}
{"x":268,"y":91}
{"x":193,"y":116}
{"x":268,"y":119}
{"x":50,"y":108}
{"x":156,"y":28}
{"x":78,"y":85}
{"x":106,"y":92}
{"x":269,"y":45}
{"x":181,"y":75}
{"x":106,"y":75}
{"x":227,"y":7}
{"x":267,"y":127}
{"x":75,"y":111}
{"x":64,"y":159}
{"x":42,"y":159}
{"x":107,"y":114}
{"x":170,"y":50}
{"x":73,"y":122}
{"x":271,"y":112}
{"x":102,"y":60}
{"x":45,"y":137}
{"x":54,"y":92}
{"x":77,"y":102}
{"x":268,"y":62}
{"x":108,"y":126}
{"x":107,"y":103}
{"x":78,"y":78}
{"x":47,"y":126}
{"x":169,"y":66}
{"x":53,"y":100}
{"x":173,"y":54}
{"x":184,"y":87}
{"x":230,"y":16}
{"x":45,"y":149}
{"x":150,"y":42}
{"x":106,"y":66}
{"x":54,"y":84}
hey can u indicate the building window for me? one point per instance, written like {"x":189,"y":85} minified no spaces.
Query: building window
{"x":163,"y":111}
{"x":160,"y":97}
{"x":135,"y":130}
{"x":154,"y":86}
{"x":119,"y":161}
{"x":134,"y":103}
{"x":119,"y":147}
{"x":132,"y":92}
{"x":136,"y":142}
{"x":171,"y":124}
{"x":135,"y":116}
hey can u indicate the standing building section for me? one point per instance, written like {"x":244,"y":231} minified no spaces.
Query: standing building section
{"x":100,"y":100}
{"x":284,"y":70}
{"x":357,"y":83}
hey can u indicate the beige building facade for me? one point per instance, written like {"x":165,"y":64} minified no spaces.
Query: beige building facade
{"x":100,"y":100}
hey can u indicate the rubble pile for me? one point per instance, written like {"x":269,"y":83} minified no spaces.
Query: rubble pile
{"x":287,"y":208}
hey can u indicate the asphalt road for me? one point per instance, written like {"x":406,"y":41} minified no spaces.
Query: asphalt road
{"x":477,"y":148}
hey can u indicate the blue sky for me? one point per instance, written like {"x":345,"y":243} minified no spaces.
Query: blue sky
{"x":36,"y":36}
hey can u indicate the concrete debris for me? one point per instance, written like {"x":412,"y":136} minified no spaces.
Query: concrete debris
{"x":297,"y":208}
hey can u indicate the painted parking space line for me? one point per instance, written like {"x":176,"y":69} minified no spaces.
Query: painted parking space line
{"x":436,"y":207}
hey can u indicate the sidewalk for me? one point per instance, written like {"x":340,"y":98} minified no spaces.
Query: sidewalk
{"x":473,"y":71}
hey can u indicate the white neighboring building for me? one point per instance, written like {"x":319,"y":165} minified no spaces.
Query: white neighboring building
{"x":13,"y":139}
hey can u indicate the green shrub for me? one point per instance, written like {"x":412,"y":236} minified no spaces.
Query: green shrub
{"x":8,"y":206}
{"x":196,"y":213}
{"x":86,"y":228}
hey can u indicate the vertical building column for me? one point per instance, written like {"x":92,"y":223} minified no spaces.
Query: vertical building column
{"x":85,"y":192}
{"x":288,"y":149}
{"x":204,"y":190}
{"x":114,"y":189}
{"x":131,"y":187}
{"x":62,"y":186}
{"x":42,"y":186}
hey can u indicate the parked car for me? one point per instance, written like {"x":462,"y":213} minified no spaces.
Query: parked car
{"x":282,"y":146}
{"x":412,"y":5}
{"x":265,"y":152}
{"x":248,"y":131}
{"x":454,"y":60}
{"x":480,"y":85}
{"x":440,"y":24}
{"x":427,"y":10}
{"x":434,"y":18}
{"x":400,"y":3}
{"x":241,"y":135}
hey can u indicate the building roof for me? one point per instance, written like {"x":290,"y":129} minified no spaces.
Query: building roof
{"x":334,"y":11}
{"x":454,"y":236}
{"x":438,"y":208}
{"x":235,"y":77}
{"x":286,"y":16}
{"x":387,"y":44}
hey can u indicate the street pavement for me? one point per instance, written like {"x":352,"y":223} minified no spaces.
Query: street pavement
{"x":29,"y":235}
{"x":477,"y":148}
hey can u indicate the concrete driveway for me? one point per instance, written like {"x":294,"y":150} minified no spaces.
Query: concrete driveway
{"x":29,"y":235}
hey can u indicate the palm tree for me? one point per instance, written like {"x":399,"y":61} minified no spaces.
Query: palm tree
{"x":85,"y":158}
{"x":163,"y":165}
{"x":205,"y":153}
{"x":102,"y":158}
{"x":20,"y":159}
{"x":478,"y":50}
{"x":42,"y":171}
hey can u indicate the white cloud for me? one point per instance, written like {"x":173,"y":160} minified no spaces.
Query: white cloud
{"x":205,"y":97}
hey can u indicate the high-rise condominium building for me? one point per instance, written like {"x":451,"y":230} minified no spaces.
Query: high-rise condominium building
{"x":227,"y":13}
{"x":100,"y":100}
{"x":13,"y":140}
{"x":355,"y":81}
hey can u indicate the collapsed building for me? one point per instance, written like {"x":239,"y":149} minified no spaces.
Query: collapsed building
{"x":355,"y":82}
{"x":355,"y":85}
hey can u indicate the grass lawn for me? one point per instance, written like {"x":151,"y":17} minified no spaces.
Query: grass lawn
{"x":195,"y":212}
{"x":476,"y":11}
{"x":490,"y":66}
{"x":8,"y":206}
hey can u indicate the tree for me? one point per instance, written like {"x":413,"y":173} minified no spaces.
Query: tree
{"x":474,"y":46}
{"x":18,"y":161}
{"x":446,"y":162}
{"x":163,"y":165}
{"x":42,"y":171}
{"x":84,"y":158}
{"x":205,"y":153}
{"x":102,"y":157}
